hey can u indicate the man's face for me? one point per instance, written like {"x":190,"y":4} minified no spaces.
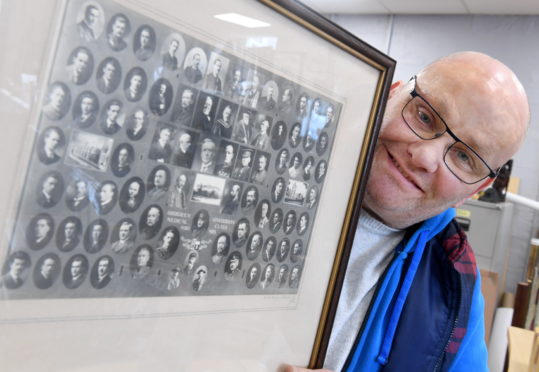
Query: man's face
{"x":303,"y":103}
{"x":103,"y":267}
{"x":92,"y":14}
{"x":124,"y":231}
{"x":246,"y":159}
{"x":47,"y":267}
{"x":316,"y":106}
{"x":295,"y":132}
{"x":76,"y":268}
{"x":289,"y":219}
{"x":51,"y":140}
{"x":16,"y":267}
{"x":173,"y":47}
{"x":250,"y":198}
{"x":276,"y":218}
{"x":234,"y":263}
{"x":144,"y":38}
{"x":217,"y":67}
{"x":409,"y":181}
{"x":264,"y":209}
{"x":329,"y":114}
{"x":107,"y":193}
{"x":323,"y":142}
{"x":42,"y":228}
{"x":245,"y":118}
{"x":57,"y":96}
{"x":268,"y":272}
{"x":255,"y":243}
{"x":133,"y":189}
{"x":279,"y":187}
{"x":237,"y":75}
{"x":207,"y":153}
{"x":182,"y":180}
{"x":207,"y":106}
{"x":81,"y":61}
{"x":286,"y":95}
{"x":108,"y":71}
{"x":112,"y":112}
{"x":87,"y":105}
{"x":270,"y":92}
{"x":187,"y":98}
{"x":118,"y":28}
{"x":235,"y":191}
{"x":229,"y":154}
{"x":264,"y":126}
{"x":242,"y":230}
{"x":283,"y":158}
{"x":50,"y":184}
{"x":269,"y":245}
{"x":294,"y":274}
{"x":262,"y":162}
{"x":168,"y":238}
{"x":97,"y":231}
{"x":164,"y":136}
{"x":153,"y":216}
{"x":201,"y":220}
{"x":226,"y":113}
{"x":196,"y":60}
{"x":303,"y":221}
{"x":312,"y":194}
{"x":221,"y":244}
{"x":162,"y":89}
{"x":123,"y":157}
{"x":253,"y":272}
{"x":139,"y":119}
{"x":185,"y":142}
{"x":160,"y":178}
{"x":135,"y":83}
{"x":69,"y":230}
{"x":143,"y":257}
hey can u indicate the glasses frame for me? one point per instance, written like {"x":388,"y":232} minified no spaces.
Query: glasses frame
{"x":415,"y":94}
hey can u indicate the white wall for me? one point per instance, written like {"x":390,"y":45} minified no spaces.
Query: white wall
{"x":414,"y":41}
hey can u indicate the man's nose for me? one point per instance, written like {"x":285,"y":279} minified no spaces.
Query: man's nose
{"x":428,"y":155}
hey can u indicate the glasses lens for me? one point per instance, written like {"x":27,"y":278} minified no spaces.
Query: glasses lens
{"x":465,"y":164}
{"x":422,"y":119}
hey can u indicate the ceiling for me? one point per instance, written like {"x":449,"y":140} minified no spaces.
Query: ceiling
{"x":520,"y":7}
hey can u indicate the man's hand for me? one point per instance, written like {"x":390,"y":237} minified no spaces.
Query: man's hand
{"x":288,"y":368}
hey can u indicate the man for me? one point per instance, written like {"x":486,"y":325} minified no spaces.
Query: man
{"x":262,"y":139}
{"x":170,"y":61}
{"x":250,"y":199}
{"x":268,"y":101}
{"x":109,"y":73}
{"x":96,"y":237}
{"x":290,"y":222}
{"x":125,"y":241}
{"x":293,"y":282}
{"x":253,"y":248}
{"x":41,"y":232}
{"x":87,"y":114}
{"x":283,"y":275}
{"x":112,"y":111}
{"x":159,"y":188}
{"x":251,"y":93}
{"x":234,"y":88}
{"x":160,"y":149}
{"x":106,"y":197}
{"x":146,"y":43}
{"x":269,"y":249}
{"x":259,"y":174}
{"x":213,"y":81}
{"x":185,"y":112}
{"x":17,"y":263}
{"x":285,"y":105}
{"x":421,"y":167}
{"x":184,"y":153}
{"x":276,"y":220}
{"x":192,"y":73}
{"x":160,"y":97}
{"x":223,"y":125}
{"x":224,"y":169}
{"x":301,"y":107}
{"x":80,"y":68}
{"x":282,"y":161}
{"x":122,"y":164}
{"x":48,"y":151}
{"x":242,"y":131}
{"x":278,"y":135}
{"x":330,"y":116}
{"x":87,"y":26}
{"x":200,"y":224}
{"x":48,"y":196}
{"x":207,"y":154}
{"x":142,"y":263}
{"x":57,"y":102}
{"x":174,"y":279}
{"x":220,"y":248}
{"x":135,"y":86}
{"x":75,"y":273}
{"x":242,"y":170}
{"x":312,"y":197}
{"x":231,"y":201}
{"x":45,"y":274}
{"x":70,"y":238}
{"x":102,"y":275}
{"x":277,"y":191}
{"x":241,"y":232}
{"x":137,"y":125}
{"x":151,"y":223}
{"x":168,"y":243}
{"x":203,"y":119}
{"x":282,"y":252}
{"x":118,"y":29}
{"x":132,"y":200}
{"x":178,"y":196}
{"x":252,"y":275}
{"x":233,"y":265}
{"x":199,"y":278}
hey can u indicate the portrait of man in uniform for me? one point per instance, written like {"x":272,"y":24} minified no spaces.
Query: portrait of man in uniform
{"x":233,"y":265}
{"x":243,"y":166}
{"x":141,"y":262}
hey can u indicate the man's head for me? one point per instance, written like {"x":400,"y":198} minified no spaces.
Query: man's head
{"x":124,"y":232}
{"x":103,"y":266}
{"x":80,"y":60}
{"x":57,"y":96}
{"x":226,"y":113}
{"x":143,"y":257}
{"x":207,"y":151}
{"x":47,"y":267}
{"x":242,"y":230}
{"x":107,"y":193}
{"x":123,"y":157}
{"x":87,"y":104}
{"x":97,"y":232}
{"x":229,"y":154}
{"x":134,"y":189}
{"x":91,"y":14}
{"x":208,"y":103}
{"x":482,"y":103}
{"x":76,"y":267}
{"x":222,"y":243}
{"x":50,"y":184}
{"x":135,"y":83}
{"x":70,"y":230}
{"x":196,"y":60}
{"x":164,"y":135}
{"x":245,"y":117}
{"x":42,"y":228}
{"x":51,"y":140}
{"x":235,"y":190}
{"x":160,"y":178}
{"x":181,"y":180}
{"x":246,"y":158}
{"x":145,"y":37}
{"x":185,"y":142}
{"x":173,"y":46}
{"x":113,"y":110}
{"x":217,"y":67}
{"x":250,"y":198}
{"x":262,"y":162}
{"x":17,"y":264}
{"x":119,"y":26}
{"x":187,"y":98}
{"x":153,"y":216}
{"x":108,"y":70}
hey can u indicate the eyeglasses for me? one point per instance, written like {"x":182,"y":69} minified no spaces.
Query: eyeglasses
{"x":427,"y":124}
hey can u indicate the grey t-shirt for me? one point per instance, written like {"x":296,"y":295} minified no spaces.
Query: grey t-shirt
{"x":372,"y":250}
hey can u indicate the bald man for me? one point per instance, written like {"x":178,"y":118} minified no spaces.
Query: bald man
{"x":445,"y":134}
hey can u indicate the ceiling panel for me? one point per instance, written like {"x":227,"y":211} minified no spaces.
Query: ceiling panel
{"x":425,"y":6}
{"x":523,"y":7}
{"x":346,"y":6}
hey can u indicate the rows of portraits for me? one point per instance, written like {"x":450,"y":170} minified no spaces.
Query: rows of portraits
{"x":164,"y":165}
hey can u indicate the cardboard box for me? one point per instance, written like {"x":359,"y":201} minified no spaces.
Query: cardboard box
{"x":489,"y":289}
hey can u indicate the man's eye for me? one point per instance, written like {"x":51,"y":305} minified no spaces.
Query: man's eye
{"x":424,"y":117}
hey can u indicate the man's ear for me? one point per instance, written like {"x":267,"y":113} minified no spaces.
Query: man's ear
{"x":394,"y":87}
{"x":483,"y":186}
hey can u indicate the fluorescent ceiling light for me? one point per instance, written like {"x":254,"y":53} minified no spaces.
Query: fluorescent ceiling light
{"x":241,"y":20}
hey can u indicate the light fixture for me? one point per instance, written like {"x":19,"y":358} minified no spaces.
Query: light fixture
{"x":241,"y":20}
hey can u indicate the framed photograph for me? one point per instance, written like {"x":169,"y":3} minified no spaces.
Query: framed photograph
{"x":185,"y":178}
